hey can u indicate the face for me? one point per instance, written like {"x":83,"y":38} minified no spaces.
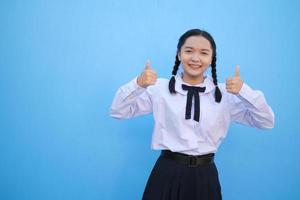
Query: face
{"x":195,"y":56}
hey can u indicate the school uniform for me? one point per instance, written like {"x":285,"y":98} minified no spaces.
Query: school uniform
{"x":189,"y":126}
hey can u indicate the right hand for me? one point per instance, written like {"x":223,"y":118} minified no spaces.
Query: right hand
{"x":148,"y":76}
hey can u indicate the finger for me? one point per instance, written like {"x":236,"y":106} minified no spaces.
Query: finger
{"x":233,"y":81}
{"x":228,"y":87}
{"x":150,"y":72}
{"x":148,"y":64}
{"x":150,"y":78}
{"x":229,"y":79}
{"x":228,"y":90}
{"x":153,"y":76}
{"x":151,"y":81}
{"x":230,"y":82}
{"x":231,"y":90}
{"x":237,"y":71}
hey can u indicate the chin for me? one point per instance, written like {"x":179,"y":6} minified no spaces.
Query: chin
{"x":195,"y":74}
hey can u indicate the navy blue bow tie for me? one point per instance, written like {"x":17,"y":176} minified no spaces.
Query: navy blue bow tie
{"x":193,"y":92}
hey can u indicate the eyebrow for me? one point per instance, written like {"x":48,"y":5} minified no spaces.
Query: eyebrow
{"x":188,"y":47}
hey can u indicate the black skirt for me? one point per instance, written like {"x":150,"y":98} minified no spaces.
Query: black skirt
{"x":171,"y":180}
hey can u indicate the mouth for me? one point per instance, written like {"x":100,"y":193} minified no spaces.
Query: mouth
{"x":194,"y":66}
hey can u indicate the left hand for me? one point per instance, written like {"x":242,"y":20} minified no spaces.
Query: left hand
{"x":235,"y":83}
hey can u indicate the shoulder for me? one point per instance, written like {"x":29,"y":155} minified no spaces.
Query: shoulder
{"x":226,"y":96}
{"x":161,"y":85}
{"x":222,"y":87}
{"x":162,"y":82}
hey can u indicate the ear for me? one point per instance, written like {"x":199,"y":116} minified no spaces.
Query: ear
{"x":178,"y":55}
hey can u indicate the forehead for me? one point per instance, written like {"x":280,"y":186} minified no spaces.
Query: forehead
{"x":197,"y":42}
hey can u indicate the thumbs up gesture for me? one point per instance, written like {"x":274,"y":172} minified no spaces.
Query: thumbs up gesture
{"x":147,"y":77}
{"x":234,"y":84}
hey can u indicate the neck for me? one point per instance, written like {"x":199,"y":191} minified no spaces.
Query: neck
{"x":193,"y":80}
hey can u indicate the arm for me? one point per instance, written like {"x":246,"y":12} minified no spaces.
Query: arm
{"x":249,"y":107}
{"x":131,"y":100}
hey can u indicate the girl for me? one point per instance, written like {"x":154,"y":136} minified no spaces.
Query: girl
{"x":192,"y":114}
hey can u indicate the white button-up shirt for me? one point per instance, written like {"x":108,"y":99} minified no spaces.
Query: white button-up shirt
{"x":172,"y":131}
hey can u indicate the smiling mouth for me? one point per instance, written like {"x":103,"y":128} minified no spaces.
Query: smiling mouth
{"x":195,"y":66}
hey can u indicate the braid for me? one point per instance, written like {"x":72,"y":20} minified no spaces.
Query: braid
{"x":174,"y":72}
{"x":218,"y":94}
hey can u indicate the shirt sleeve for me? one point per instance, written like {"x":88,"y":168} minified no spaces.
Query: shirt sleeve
{"x":131,"y":100}
{"x":249,"y":107}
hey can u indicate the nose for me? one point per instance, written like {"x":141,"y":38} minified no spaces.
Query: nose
{"x":195,"y":57}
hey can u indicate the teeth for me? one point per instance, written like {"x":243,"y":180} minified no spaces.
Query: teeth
{"x":195,"y":66}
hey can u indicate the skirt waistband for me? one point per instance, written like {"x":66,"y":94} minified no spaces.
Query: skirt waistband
{"x":189,"y":160}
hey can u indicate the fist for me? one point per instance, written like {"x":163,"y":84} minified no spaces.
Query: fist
{"x":234,"y":84}
{"x":147,"y":77}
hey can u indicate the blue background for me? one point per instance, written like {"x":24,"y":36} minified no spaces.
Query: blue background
{"x":61,"y":63}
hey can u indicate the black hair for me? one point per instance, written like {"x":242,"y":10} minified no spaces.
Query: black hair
{"x":182,"y":39}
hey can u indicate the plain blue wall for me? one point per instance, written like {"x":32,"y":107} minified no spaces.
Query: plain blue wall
{"x":62,"y":62}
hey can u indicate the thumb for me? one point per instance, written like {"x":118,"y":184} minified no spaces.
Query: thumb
{"x":148,"y":64}
{"x":237,"y":71}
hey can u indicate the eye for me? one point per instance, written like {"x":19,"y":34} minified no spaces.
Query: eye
{"x":188,"y":51}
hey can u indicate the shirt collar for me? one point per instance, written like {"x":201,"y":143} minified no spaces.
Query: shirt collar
{"x":208,"y":83}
